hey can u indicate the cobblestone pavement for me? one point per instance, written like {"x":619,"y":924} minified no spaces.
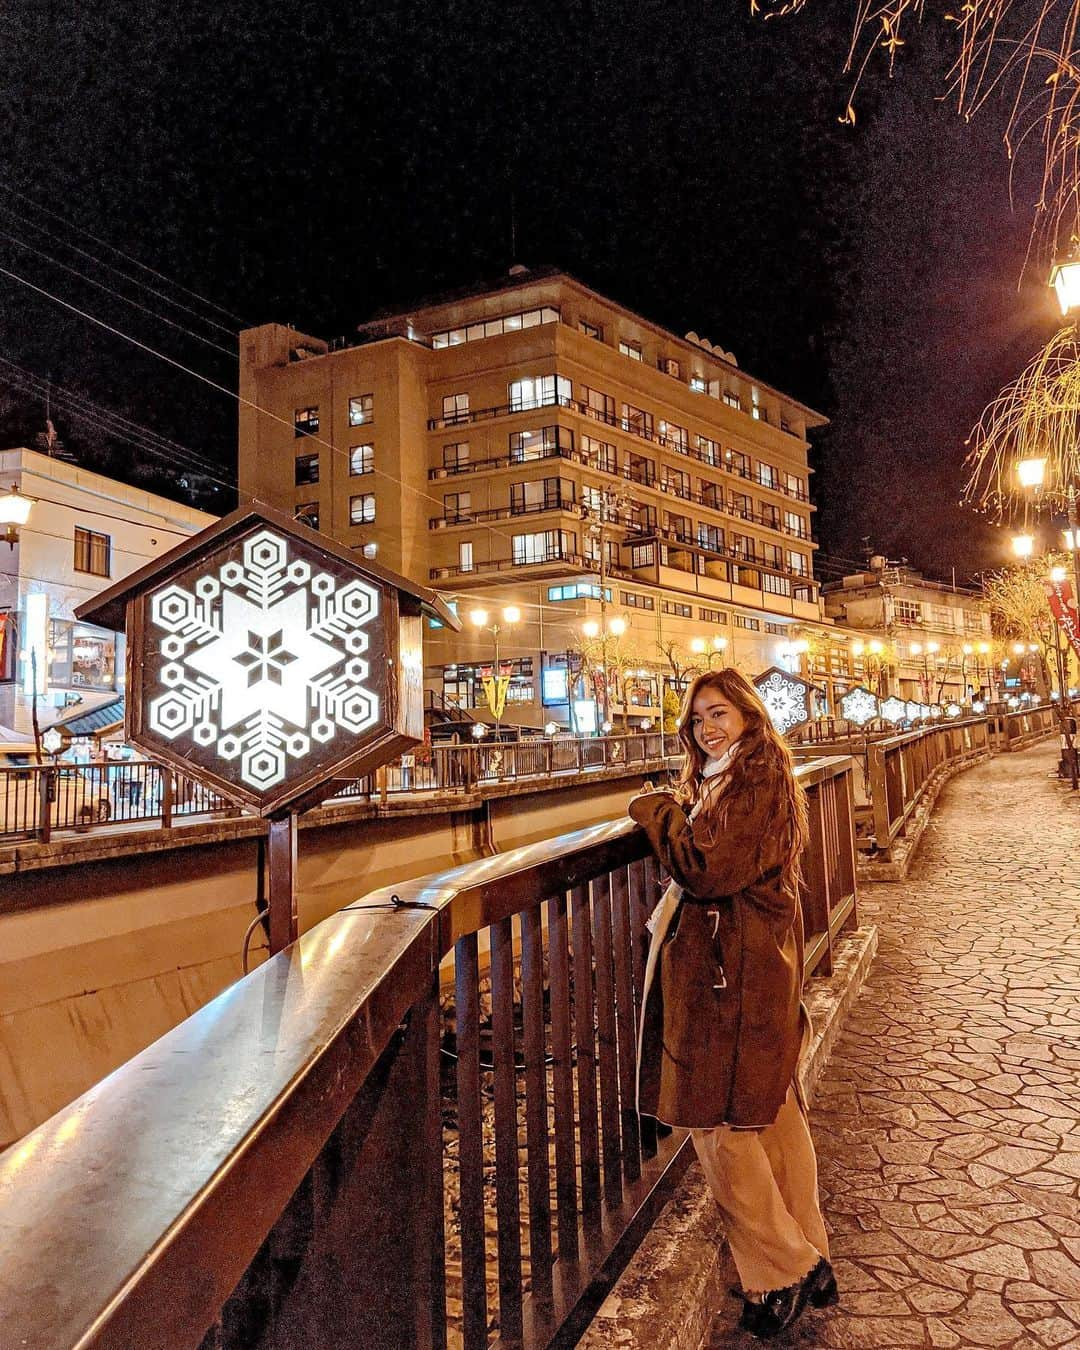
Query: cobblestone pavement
{"x":948,"y":1121}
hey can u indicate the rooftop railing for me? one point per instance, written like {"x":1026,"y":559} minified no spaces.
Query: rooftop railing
{"x":337,"y":1150}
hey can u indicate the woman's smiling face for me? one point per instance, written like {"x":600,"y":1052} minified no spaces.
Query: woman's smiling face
{"x":715,"y":722}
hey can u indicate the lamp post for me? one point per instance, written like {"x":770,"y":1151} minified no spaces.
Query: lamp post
{"x":717,"y":646}
{"x":481,"y":620}
{"x":605,"y":629}
{"x":14,"y":513}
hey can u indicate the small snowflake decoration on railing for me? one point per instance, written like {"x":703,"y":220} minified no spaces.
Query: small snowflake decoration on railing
{"x":894,"y":710}
{"x":262,"y":658}
{"x":859,"y":705}
{"x":786,"y":698}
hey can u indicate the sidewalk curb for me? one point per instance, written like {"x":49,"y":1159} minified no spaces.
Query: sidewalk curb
{"x":668,"y":1296}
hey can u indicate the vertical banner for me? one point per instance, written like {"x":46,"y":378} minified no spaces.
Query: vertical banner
{"x":495,"y":687}
{"x":1063,"y":608}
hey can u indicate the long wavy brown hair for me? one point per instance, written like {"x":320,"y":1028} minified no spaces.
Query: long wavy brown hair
{"x":762,"y":767}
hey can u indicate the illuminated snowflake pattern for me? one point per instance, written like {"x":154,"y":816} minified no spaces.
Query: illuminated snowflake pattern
{"x":264,"y":658}
{"x":859,"y":706}
{"x":785,"y":700}
{"x":894,"y":710}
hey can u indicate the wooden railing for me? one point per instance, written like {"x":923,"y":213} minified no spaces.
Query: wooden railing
{"x":299,"y":1164}
{"x":899,"y":770}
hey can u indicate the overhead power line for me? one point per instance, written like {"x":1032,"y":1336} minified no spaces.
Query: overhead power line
{"x":104,"y":243}
{"x":136,"y":304}
{"x":116,"y":426}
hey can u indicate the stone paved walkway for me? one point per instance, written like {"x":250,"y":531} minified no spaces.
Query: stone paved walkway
{"x":948,"y":1121}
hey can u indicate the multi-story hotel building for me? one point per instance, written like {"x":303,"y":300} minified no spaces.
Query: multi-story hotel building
{"x":534,"y":444}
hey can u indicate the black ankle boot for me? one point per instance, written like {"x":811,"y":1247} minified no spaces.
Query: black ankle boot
{"x":782,"y":1308}
{"x":824,"y":1293}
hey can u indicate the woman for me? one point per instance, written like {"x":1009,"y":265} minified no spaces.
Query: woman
{"x":722,"y":1022}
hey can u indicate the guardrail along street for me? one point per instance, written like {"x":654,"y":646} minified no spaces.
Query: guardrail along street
{"x":329,"y":1180}
{"x":37,"y":800}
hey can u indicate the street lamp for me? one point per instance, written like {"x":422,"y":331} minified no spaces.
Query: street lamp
{"x":481,"y":620}
{"x":14,"y":512}
{"x":1023,"y":545}
{"x":716,"y":647}
{"x":1065,"y":279}
{"x":610,"y":628}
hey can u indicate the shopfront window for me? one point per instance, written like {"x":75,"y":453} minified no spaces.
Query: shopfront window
{"x":81,"y":657}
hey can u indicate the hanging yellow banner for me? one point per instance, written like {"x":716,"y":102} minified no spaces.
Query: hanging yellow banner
{"x":495,"y":687}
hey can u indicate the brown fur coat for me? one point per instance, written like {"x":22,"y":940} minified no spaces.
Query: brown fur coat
{"x":721,"y":1027}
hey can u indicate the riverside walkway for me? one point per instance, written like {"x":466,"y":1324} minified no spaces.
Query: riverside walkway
{"x":948,"y":1120}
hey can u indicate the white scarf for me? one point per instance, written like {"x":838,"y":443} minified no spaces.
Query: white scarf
{"x":711,"y":768}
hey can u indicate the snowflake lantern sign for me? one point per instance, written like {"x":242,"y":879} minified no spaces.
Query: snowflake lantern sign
{"x":859,"y":706}
{"x":266,"y":661}
{"x":786,"y":698}
{"x":893,"y":710}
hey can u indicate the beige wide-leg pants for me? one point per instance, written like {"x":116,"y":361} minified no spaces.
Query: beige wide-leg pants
{"x":765,"y":1182}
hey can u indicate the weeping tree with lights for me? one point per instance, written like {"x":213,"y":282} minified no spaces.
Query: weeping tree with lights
{"x":1021,"y":617}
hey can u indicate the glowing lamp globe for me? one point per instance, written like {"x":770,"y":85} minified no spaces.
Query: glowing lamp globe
{"x":1065,"y":279}
{"x":1030,"y":473}
{"x":14,"y":512}
{"x":1023,"y":545}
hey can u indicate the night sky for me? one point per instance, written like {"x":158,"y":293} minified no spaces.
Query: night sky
{"x":310,"y":166}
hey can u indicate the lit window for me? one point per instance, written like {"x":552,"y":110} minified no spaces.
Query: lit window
{"x":732,"y":399}
{"x":488,"y":328}
{"x":741,"y":621}
{"x":675,"y":607}
{"x":371,"y":550}
{"x":455,"y":408}
{"x":456,"y":455}
{"x":361,"y":460}
{"x":306,"y":469}
{"x":697,"y":384}
{"x":544,"y":546}
{"x":93,"y":552}
{"x":465,"y":556}
{"x":591,"y":330}
{"x":361,"y":410}
{"x":362,"y":509}
{"x":767,"y":475}
{"x":306,"y":421}
{"x":797,"y":563}
{"x":631,"y":349}
{"x":541,"y":391}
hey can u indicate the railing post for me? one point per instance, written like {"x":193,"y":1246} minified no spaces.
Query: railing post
{"x":45,"y":800}
{"x":167,"y":789}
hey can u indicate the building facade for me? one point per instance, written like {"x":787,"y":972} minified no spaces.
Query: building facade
{"x":935,"y":641}
{"x":534,"y":445}
{"x":85,"y":531}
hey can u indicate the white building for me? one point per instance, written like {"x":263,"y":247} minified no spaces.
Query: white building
{"x":85,"y":531}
